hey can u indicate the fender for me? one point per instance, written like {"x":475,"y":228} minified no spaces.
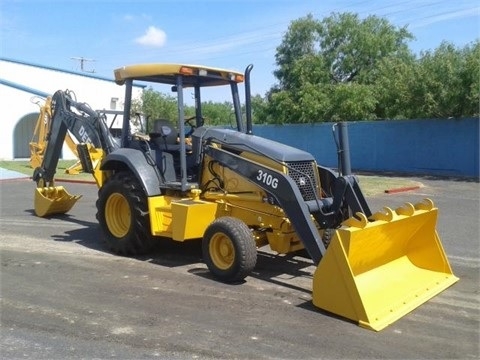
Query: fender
{"x":135,"y":161}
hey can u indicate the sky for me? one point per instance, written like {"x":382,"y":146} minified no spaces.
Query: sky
{"x":101,"y":35}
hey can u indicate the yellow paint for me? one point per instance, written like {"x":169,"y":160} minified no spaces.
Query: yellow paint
{"x":377,"y":272}
{"x":169,"y":72}
{"x":222,"y":251}
{"x":180,"y":219}
{"x":117,"y":215}
{"x":53,"y":200}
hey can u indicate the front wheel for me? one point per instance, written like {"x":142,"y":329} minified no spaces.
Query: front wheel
{"x":229,"y":249}
{"x":122,"y":213}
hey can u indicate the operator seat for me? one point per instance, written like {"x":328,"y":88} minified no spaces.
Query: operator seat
{"x":165,"y":135}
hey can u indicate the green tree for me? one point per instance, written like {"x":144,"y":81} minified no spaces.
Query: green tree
{"x":352,"y":101}
{"x":326,"y":69}
{"x":218,"y":113}
{"x":155,"y":105}
{"x":397,"y":89}
{"x":352,"y":47}
{"x":443,"y":71}
{"x":342,"y":46}
{"x":440,"y":83}
{"x":471,"y":79}
{"x":299,"y":41}
{"x":259,"y":109}
{"x":304,"y":98}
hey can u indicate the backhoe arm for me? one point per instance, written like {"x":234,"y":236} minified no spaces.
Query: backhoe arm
{"x":93,"y":136}
{"x":38,"y":143}
{"x":83,"y":123}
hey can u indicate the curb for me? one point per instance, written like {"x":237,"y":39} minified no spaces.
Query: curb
{"x":402,"y":189}
{"x":15,"y":179}
{"x":55,"y":180}
{"x":76,"y":181}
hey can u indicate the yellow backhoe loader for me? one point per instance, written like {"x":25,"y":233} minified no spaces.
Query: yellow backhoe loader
{"x":236,"y":192}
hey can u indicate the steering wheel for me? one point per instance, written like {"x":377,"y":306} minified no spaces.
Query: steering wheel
{"x":192,"y":127}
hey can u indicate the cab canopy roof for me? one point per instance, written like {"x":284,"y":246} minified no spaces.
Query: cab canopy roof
{"x":167,"y":74}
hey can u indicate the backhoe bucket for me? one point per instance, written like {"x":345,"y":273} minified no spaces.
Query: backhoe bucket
{"x":53,"y":200}
{"x":376,"y":271}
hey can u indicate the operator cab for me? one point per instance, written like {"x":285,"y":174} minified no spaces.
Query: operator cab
{"x":176,"y":155}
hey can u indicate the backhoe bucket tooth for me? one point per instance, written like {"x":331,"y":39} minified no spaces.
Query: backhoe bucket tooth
{"x":379,"y":269}
{"x":53,"y":200}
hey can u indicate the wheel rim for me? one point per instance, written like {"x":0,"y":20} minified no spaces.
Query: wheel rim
{"x":222,"y":251}
{"x":117,"y":215}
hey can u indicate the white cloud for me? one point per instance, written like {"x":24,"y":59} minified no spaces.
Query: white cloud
{"x":153,"y":37}
{"x":132,"y":17}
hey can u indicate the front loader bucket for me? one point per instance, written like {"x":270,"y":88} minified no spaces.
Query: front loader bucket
{"x":53,"y":200}
{"x":374,"y":272}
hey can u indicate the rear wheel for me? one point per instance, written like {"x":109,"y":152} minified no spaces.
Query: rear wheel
{"x":229,"y":249}
{"x":122,"y":213}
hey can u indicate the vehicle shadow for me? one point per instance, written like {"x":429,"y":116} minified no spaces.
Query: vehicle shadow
{"x":291,"y":272}
{"x":172,"y":253}
{"x":87,"y":233}
{"x":275,"y":269}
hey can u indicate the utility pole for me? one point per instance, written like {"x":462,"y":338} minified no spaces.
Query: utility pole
{"x":82,"y":61}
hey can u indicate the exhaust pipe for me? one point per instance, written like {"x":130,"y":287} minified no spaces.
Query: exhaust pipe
{"x":343,"y":148}
{"x":248,"y":99}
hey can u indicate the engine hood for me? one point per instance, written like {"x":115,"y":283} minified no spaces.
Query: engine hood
{"x":252,"y":143}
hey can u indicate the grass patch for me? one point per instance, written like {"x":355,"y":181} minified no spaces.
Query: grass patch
{"x":23,"y":166}
{"x":373,"y":185}
{"x":370,"y":185}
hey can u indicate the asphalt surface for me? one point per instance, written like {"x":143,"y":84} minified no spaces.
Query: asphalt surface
{"x":65,"y":297}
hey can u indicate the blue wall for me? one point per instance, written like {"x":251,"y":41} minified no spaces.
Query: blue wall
{"x":445,"y":147}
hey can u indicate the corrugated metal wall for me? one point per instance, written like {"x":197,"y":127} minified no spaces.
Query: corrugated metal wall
{"x":444,"y":147}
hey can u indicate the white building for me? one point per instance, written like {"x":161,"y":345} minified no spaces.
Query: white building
{"x":22,"y":83}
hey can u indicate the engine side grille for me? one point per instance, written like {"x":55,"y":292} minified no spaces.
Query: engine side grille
{"x":303,"y":173}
